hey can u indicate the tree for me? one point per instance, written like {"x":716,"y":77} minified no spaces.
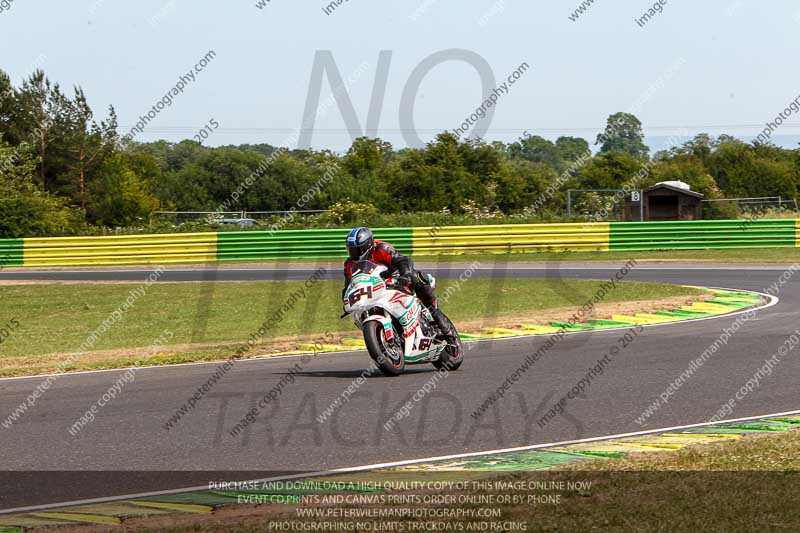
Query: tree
{"x":88,"y":142}
{"x":613,"y":170}
{"x":742,"y":170}
{"x":537,"y":150}
{"x":572,"y":148}
{"x":700,"y":147}
{"x":68,"y":142}
{"x":119,"y":195}
{"x":8,"y":106}
{"x":444,"y":175}
{"x":520,"y":183}
{"x":624,"y":134}
{"x":41,"y":119}
{"x":689,"y":170}
{"x":364,"y":174}
{"x":367,"y":156}
{"x":26,"y":210}
{"x":263,"y":149}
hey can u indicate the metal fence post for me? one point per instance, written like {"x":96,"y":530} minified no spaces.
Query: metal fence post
{"x":641,"y":206}
{"x":569,"y":202}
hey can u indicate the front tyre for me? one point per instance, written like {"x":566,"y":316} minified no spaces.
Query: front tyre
{"x":387,"y":354}
{"x":453,"y":355}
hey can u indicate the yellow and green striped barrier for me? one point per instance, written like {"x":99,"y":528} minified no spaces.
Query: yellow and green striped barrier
{"x":512,"y":238}
{"x":329,"y":243}
{"x":120,"y":250}
{"x":704,"y":234}
{"x":11,"y":252}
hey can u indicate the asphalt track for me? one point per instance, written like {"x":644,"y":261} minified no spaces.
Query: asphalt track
{"x":127,"y":450}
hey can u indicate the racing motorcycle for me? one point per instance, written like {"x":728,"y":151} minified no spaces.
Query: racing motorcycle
{"x":398,"y":328}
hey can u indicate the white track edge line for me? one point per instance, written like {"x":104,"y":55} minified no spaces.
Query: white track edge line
{"x":394,"y":464}
{"x":773,"y":301}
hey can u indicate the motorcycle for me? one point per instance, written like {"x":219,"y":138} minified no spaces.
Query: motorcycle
{"x":398,"y":328}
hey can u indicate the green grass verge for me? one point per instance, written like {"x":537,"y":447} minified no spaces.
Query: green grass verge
{"x":733,"y":486}
{"x":768,"y":452}
{"x":55,"y":319}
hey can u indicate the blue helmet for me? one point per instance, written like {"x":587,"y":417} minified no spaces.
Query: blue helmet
{"x":360,"y":243}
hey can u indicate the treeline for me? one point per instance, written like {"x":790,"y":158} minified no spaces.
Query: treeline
{"x":63,"y":171}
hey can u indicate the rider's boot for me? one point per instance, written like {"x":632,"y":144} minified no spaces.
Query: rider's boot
{"x":442,"y":322}
{"x":427,"y":295}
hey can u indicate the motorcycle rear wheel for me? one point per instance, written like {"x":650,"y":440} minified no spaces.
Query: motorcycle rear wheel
{"x":388,"y":355}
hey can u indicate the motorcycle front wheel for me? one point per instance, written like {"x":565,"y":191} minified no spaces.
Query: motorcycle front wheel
{"x":387,"y":354}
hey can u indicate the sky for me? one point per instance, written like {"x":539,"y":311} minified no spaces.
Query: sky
{"x":717,"y":66}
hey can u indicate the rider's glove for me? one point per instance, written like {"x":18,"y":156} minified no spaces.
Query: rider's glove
{"x":404,"y":280}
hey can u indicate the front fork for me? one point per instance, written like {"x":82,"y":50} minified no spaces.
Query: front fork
{"x":386,"y":323}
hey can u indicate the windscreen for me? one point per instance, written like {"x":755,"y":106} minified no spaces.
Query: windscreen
{"x":364,"y":267}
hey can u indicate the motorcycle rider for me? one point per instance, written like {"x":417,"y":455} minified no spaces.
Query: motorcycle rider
{"x":362,"y":246}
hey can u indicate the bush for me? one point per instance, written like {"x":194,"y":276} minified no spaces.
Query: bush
{"x":38,"y":215}
{"x":26,"y":210}
{"x":349,"y":212}
{"x":721,"y":210}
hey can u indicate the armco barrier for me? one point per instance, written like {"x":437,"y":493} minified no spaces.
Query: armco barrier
{"x":133,"y":249}
{"x":188,"y":247}
{"x":512,"y":238}
{"x":703,"y":234}
{"x":11,"y":252}
{"x":329,"y":243}
{"x":298,"y":244}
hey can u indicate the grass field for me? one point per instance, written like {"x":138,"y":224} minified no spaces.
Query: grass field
{"x":206,"y":320}
{"x":745,"y":485}
{"x":730,"y":487}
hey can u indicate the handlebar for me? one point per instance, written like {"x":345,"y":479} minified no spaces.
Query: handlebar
{"x":402,"y":288}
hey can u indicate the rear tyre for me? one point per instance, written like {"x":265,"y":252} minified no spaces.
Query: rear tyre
{"x":453,"y":355}
{"x":387,"y":354}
